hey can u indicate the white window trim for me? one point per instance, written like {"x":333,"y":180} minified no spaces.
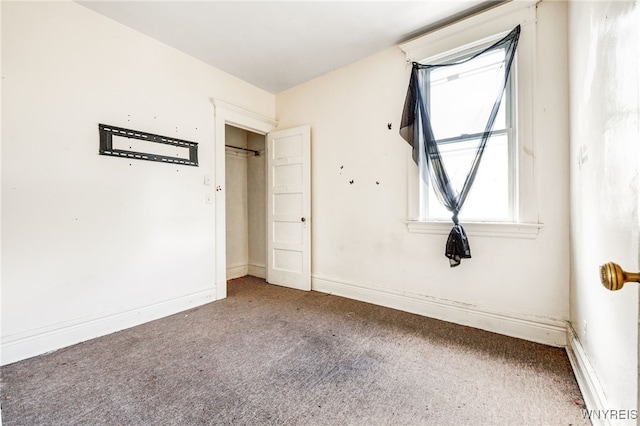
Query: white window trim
{"x":459,"y":36}
{"x":482,"y":229}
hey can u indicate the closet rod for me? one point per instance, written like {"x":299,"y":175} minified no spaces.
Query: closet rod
{"x":244,"y":149}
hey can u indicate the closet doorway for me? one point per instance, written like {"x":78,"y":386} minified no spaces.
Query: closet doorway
{"x":245,"y":203}
{"x":282,"y":254}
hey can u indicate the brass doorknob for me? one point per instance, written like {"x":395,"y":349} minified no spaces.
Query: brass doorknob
{"x":613,"y":277}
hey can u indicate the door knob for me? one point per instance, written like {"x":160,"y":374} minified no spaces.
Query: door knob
{"x":613,"y":277}
{"x":303,"y":219}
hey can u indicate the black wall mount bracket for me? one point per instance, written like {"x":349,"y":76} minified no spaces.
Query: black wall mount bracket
{"x":107,"y":146}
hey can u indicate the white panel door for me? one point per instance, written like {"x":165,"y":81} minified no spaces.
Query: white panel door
{"x":605,"y":112}
{"x":289,"y":208}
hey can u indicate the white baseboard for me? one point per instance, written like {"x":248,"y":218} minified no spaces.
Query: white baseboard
{"x":242,"y":269}
{"x":259,"y":271}
{"x":237,"y":271}
{"x":542,"y":330}
{"x":592,"y":392}
{"x":36,"y":342}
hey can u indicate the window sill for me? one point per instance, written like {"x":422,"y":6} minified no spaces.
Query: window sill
{"x":481,"y":229}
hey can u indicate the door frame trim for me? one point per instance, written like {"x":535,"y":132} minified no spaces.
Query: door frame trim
{"x":228,"y":114}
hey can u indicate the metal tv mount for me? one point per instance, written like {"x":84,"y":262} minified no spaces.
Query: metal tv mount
{"x":106,"y":146}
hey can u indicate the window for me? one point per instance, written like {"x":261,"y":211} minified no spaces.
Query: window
{"x":511,"y":211}
{"x":492,"y":197}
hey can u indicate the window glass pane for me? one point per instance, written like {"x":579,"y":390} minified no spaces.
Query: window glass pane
{"x":489,"y":196}
{"x":462,"y":95}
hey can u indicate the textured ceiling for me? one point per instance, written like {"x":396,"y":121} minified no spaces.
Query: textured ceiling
{"x":276,"y":45}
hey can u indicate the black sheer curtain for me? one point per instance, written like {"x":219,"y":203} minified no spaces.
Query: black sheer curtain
{"x":423,"y":135}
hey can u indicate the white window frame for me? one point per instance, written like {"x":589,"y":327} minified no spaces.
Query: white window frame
{"x":510,"y":131}
{"x":466,"y":34}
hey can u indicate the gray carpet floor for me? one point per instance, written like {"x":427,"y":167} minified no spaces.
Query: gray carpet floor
{"x":268,"y":355}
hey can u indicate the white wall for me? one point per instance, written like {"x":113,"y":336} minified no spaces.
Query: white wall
{"x":257,"y":203}
{"x":236,"y":203}
{"x":91,"y":243}
{"x":360,"y":244}
{"x":605,"y":157}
